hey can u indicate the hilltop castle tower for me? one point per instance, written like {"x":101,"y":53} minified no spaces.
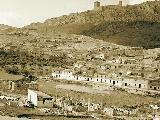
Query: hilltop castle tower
{"x":97,"y":5}
{"x":120,"y":3}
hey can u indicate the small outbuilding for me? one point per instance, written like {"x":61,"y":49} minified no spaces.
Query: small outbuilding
{"x":39,"y":99}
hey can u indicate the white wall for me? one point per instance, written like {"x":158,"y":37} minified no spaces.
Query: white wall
{"x":135,"y":83}
{"x":103,"y":79}
{"x":67,"y":76}
{"x":32,"y":97}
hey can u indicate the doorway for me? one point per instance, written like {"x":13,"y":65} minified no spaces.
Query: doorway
{"x":114,"y":82}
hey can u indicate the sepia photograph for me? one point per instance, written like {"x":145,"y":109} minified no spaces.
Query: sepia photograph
{"x":79,"y":59}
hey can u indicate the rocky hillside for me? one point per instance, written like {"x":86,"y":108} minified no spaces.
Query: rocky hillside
{"x":140,"y":33}
{"x":4,"y":27}
{"x":121,"y":19}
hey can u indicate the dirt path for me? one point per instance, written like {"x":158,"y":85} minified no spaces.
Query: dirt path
{"x":79,"y":88}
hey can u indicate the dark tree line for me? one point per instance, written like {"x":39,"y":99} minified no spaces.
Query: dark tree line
{"x":19,"y":58}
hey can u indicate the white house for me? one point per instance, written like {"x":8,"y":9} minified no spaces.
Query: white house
{"x":39,"y":99}
{"x":138,"y":83}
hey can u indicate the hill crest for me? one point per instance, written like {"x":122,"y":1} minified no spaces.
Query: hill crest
{"x":91,"y":21}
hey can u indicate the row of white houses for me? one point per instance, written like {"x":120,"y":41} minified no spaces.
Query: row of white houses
{"x":118,"y":82}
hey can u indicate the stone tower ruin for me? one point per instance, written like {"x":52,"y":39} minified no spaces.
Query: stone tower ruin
{"x":97,"y":5}
{"x":120,"y":3}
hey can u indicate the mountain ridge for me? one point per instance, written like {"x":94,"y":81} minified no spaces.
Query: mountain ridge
{"x":97,"y":23}
{"x":147,"y":11}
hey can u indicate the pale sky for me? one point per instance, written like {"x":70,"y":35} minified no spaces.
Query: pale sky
{"x":22,"y":12}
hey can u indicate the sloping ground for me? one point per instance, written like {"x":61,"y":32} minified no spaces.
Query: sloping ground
{"x":114,"y":98}
{"x":113,"y":23}
{"x":139,"y":33}
{"x":4,"y":27}
{"x":79,"y":88}
{"x":136,"y":33}
{"x":6,"y":76}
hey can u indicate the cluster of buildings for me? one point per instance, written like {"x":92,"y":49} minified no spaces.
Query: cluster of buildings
{"x":138,"y":83}
{"x":128,"y":68}
{"x":102,"y":62}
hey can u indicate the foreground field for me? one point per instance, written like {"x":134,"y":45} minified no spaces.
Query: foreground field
{"x":111,"y":98}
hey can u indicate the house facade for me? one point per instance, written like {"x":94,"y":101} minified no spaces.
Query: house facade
{"x":137,"y":83}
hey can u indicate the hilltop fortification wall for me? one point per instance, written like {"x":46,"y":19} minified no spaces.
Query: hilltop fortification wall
{"x":148,"y":11}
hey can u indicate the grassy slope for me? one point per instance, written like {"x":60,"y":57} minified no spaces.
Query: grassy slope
{"x":139,"y":33}
{"x":143,"y":34}
{"x":98,"y":24}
